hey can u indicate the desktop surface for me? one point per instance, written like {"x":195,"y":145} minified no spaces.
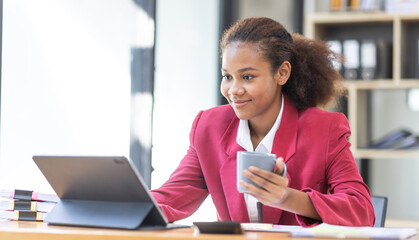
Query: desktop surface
{"x":23,"y":230}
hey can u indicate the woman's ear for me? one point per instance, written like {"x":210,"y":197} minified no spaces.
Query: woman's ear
{"x":283,"y":73}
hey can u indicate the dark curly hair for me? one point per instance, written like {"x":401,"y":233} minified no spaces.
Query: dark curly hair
{"x":313,"y":80}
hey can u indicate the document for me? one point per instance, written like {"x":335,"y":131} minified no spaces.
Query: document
{"x":333,"y":231}
{"x":266,"y":227}
{"x":327,"y":230}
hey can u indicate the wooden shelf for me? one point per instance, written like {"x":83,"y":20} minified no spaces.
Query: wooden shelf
{"x":402,"y":223}
{"x":398,"y":30}
{"x":385,"y":154}
{"x":382,"y":84}
{"x":357,"y":17}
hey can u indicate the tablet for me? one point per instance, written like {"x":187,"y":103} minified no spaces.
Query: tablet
{"x":99,"y":191}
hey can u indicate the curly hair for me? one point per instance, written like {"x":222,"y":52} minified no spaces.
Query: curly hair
{"x":313,"y":80}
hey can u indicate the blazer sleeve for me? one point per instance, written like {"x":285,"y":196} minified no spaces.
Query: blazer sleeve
{"x":185,"y":190}
{"x":348,"y":200}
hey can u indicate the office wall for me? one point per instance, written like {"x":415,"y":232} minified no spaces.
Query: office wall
{"x":185,"y":82}
{"x":65,"y":84}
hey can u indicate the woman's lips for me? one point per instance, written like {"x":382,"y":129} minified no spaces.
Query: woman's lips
{"x":239,"y":103}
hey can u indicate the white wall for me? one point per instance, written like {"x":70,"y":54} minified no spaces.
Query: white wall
{"x":185,"y":82}
{"x":65,"y":84}
{"x":281,"y":11}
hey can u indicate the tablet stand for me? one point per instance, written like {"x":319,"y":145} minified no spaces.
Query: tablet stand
{"x":128,"y":215}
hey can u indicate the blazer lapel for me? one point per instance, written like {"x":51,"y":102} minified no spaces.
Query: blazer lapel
{"x":284,"y":145}
{"x":285,"y":140}
{"x":228,"y":174}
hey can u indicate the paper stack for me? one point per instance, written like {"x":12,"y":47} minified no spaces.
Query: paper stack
{"x":24,"y":205}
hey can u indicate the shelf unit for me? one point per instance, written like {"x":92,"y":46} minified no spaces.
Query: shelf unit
{"x":401,"y":30}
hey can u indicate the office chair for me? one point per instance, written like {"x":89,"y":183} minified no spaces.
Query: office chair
{"x":380,"y":209}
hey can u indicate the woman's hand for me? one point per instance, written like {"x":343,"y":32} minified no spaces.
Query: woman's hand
{"x":274,"y":186}
{"x":276,"y":193}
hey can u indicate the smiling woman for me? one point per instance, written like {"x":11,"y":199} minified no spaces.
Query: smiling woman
{"x":273,"y":82}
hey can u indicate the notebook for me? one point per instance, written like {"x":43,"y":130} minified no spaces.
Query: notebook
{"x":99,"y":191}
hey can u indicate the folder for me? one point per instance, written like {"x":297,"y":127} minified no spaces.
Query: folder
{"x":336,"y":47}
{"x":384,"y":59}
{"x":368,"y":59}
{"x":351,"y":52}
{"x":400,"y":139}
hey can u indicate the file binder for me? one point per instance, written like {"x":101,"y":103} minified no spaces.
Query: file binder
{"x":351,"y":52}
{"x":99,"y":191}
{"x":336,"y":47}
{"x":368,"y":59}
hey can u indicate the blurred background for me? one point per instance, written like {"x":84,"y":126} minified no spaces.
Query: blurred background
{"x":127,"y":77}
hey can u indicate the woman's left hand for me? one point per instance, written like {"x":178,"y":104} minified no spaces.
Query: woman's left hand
{"x":274,"y":186}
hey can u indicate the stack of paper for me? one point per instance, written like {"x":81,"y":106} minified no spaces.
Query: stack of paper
{"x":25,"y":205}
{"x":327,"y":230}
{"x":333,"y":231}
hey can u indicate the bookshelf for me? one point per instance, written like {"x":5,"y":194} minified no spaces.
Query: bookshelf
{"x":402,"y":31}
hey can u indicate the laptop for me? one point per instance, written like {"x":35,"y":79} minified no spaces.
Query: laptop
{"x":99,"y":191}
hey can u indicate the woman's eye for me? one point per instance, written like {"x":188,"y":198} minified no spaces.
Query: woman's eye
{"x":226,"y":77}
{"x":247,"y":77}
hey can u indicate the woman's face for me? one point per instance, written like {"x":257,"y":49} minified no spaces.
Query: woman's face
{"x":248,"y":83}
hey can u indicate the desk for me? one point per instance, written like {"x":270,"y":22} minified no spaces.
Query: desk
{"x":41,"y":231}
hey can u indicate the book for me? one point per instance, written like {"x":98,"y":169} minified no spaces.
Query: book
{"x":28,"y":195}
{"x":18,"y":215}
{"x":16,"y":204}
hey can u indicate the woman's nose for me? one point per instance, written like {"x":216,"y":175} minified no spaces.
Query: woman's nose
{"x":236,"y":88}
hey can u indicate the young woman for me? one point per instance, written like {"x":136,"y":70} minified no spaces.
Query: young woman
{"x":274,"y":82}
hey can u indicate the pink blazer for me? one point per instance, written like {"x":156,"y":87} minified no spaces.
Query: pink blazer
{"x":315,"y":148}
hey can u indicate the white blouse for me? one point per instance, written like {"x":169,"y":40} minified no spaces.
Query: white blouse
{"x":265,"y":146}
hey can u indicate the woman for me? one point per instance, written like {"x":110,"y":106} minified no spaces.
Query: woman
{"x":273,"y":82}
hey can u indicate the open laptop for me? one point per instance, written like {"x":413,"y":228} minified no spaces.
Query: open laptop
{"x":97,"y":191}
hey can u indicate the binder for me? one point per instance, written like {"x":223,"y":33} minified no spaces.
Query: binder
{"x":384,"y":59}
{"x":368,"y":59}
{"x":336,"y":47}
{"x":351,"y":52}
{"x":99,"y":191}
